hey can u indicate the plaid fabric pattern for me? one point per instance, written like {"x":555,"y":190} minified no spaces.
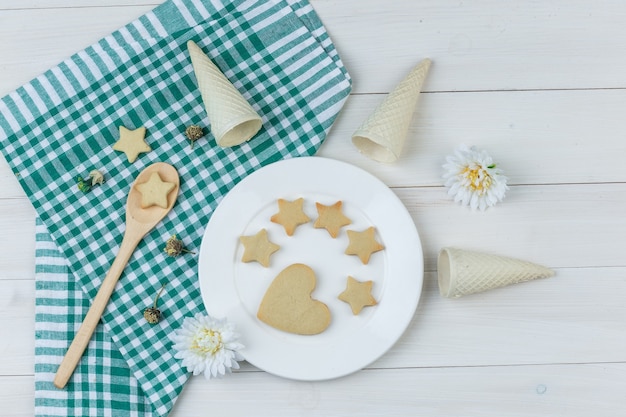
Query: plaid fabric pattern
{"x":102,"y":383}
{"x":63,"y":124}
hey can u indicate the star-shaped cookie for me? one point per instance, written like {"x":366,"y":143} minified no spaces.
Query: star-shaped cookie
{"x":331,"y":218}
{"x":154,"y":191}
{"x":132,"y":143}
{"x":358,"y":294}
{"x":363,"y":244}
{"x":258,"y":248}
{"x":290,"y":215}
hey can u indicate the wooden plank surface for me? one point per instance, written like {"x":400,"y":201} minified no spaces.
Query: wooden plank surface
{"x":18,"y":326}
{"x":541,"y":85}
{"x":17,"y":395}
{"x":17,"y":223}
{"x":487,"y":45}
{"x":53,"y":4}
{"x":532,"y":323}
{"x":481,"y":391}
{"x":538,"y":137}
{"x":514,"y":391}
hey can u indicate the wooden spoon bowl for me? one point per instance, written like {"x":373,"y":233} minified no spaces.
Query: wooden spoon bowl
{"x":151,"y":216}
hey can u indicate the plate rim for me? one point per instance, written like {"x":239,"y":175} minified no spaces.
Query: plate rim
{"x":316,"y":162}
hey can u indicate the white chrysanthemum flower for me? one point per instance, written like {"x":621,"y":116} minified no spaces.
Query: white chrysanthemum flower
{"x":207,"y":345}
{"x":473,"y":179}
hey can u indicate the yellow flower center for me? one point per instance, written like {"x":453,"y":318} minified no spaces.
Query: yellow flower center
{"x":478,"y":179}
{"x":207,"y":341}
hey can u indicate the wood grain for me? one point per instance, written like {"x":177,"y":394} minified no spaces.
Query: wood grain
{"x":530,"y":323}
{"x":17,"y":226}
{"x":549,"y":224}
{"x":64,"y":4}
{"x":17,"y":309}
{"x":17,"y":395}
{"x":538,"y":137}
{"x":578,"y":390}
{"x":540,"y":85}
{"x":487,"y":45}
{"x":572,"y":390}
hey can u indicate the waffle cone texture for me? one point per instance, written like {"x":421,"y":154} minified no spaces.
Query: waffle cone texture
{"x":233,"y":120}
{"x":462,"y":272}
{"x":384,"y":132}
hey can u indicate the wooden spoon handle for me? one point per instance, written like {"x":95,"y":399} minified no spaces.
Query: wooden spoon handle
{"x":82,"y":337}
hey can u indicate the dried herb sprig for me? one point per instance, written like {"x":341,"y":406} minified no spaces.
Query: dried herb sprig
{"x":193,"y":133}
{"x":153,"y":314}
{"x":174,"y":247}
{"x":96,"y":177}
{"x":83,"y":185}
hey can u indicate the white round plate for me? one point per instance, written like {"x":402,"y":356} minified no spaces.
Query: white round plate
{"x":234,"y":289}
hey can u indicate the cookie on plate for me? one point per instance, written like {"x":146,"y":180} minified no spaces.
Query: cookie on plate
{"x":331,"y":218}
{"x":288,"y":305}
{"x":363,"y":244}
{"x":258,"y":248}
{"x":358,"y":294}
{"x":290,"y":215}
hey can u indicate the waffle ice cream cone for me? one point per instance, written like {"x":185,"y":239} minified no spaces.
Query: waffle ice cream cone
{"x":233,"y":120}
{"x":382,"y":135}
{"x":462,"y":272}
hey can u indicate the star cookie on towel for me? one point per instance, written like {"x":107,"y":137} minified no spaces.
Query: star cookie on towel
{"x":290,"y":215}
{"x":258,"y":248}
{"x":331,"y":218}
{"x":154,"y":191}
{"x":132,"y":143}
{"x":363,"y":244}
{"x":358,"y":294}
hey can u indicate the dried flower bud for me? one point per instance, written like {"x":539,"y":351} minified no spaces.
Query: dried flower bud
{"x":86,"y":184}
{"x":174,"y":246}
{"x":194,"y":132}
{"x":152,"y":315}
{"x":97,"y":177}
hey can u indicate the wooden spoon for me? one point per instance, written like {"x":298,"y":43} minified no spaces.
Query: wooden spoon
{"x":139,"y":221}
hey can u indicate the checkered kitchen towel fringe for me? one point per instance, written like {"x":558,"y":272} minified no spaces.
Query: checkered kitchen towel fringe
{"x":63,"y":123}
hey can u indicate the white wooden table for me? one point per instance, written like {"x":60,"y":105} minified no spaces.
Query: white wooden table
{"x":542,"y":87}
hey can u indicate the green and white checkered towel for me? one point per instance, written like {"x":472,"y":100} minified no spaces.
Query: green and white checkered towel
{"x":102,"y":383}
{"x":62,"y":125}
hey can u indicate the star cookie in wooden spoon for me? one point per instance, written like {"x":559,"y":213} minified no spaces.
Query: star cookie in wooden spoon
{"x":363,"y":244}
{"x":358,"y":294}
{"x":154,"y":191}
{"x":331,"y":218}
{"x":290,"y":215}
{"x":258,"y":248}
{"x":132,"y":143}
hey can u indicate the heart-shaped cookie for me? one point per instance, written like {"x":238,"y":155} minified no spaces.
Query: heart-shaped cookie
{"x":288,"y":305}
